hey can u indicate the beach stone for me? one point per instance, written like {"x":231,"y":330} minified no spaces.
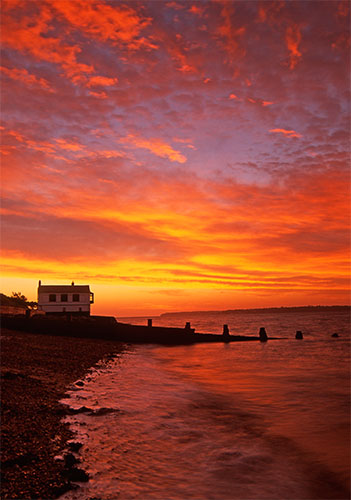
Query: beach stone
{"x":12,"y":375}
{"x":70,"y":460}
{"x":79,"y":475}
{"x":74,"y":445}
{"x":21,"y":460}
{"x":80,"y":383}
{"x":335,"y":335}
{"x":82,"y":409}
{"x":299,"y":335}
{"x":103,"y":411}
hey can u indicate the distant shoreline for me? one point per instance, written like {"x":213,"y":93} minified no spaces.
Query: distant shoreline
{"x":287,"y":309}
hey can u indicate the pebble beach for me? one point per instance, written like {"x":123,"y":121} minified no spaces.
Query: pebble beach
{"x":36,"y":371}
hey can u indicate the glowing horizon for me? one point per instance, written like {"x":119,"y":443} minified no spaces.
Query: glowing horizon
{"x":177,"y":155}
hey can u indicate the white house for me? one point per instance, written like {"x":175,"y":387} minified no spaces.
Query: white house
{"x":63,"y":299}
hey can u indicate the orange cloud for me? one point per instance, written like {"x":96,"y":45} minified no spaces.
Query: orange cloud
{"x":175,"y":5}
{"x":195,"y":9}
{"x":219,"y":241}
{"x":99,"y":95}
{"x":194,"y":226}
{"x":187,"y":142}
{"x":159,"y":242}
{"x":293,"y":40}
{"x":343,"y":9}
{"x":251,"y":100}
{"x":178,"y":55}
{"x":117,"y":23}
{"x":288,"y":133}
{"x":69,"y":146}
{"x":156,"y":146}
{"x":26,"y":35}
{"x":269,"y":11}
{"x":24,"y":76}
{"x":261,"y":102}
{"x":102,"y":81}
{"x":43,"y":146}
{"x":30,"y":35}
{"x":230,"y":33}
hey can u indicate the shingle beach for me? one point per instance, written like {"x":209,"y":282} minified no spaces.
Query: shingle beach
{"x":36,"y":370}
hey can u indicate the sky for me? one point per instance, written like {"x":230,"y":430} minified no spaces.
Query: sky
{"x":181,"y":155}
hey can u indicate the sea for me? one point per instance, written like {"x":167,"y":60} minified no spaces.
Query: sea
{"x":221,"y":421}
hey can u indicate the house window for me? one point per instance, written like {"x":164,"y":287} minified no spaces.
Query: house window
{"x":64,"y":297}
{"x":52,"y":297}
{"x":76,"y":297}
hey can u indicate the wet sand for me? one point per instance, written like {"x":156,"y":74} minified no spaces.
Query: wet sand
{"x":36,"y":370}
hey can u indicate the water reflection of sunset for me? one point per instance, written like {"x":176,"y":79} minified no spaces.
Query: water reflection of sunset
{"x":177,"y":155}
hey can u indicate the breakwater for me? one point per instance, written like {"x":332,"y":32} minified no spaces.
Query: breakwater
{"x":107,"y":327}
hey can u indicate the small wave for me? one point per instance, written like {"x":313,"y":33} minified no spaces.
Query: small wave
{"x":97,"y":412}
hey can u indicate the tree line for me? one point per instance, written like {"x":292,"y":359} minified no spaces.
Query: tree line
{"x":17,"y":299}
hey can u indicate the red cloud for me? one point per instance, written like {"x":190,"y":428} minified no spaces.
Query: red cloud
{"x":99,"y":95}
{"x":117,"y":23}
{"x":289,"y":133}
{"x":230,"y":33}
{"x":156,"y":146}
{"x":61,"y":161}
{"x":30,"y":35}
{"x":195,"y":9}
{"x":101,"y":81}
{"x":270,"y":11}
{"x":293,"y":40}
{"x":343,"y":9}
{"x":24,"y":76}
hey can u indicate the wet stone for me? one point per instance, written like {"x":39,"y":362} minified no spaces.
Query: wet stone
{"x":78,"y":475}
{"x":70,"y":460}
{"x":74,"y":445}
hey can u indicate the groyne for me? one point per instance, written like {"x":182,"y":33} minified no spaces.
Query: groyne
{"x":108,"y":328}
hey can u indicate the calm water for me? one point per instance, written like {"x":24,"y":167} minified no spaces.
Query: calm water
{"x":222,"y":421}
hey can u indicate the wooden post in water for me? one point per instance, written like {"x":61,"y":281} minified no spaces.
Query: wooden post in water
{"x":263,"y":335}
{"x":149,"y":323}
{"x":225,"y":333}
{"x":299,"y":335}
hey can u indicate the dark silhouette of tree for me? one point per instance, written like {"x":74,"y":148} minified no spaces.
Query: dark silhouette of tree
{"x":17,"y":299}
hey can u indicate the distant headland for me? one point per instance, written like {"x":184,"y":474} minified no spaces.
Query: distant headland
{"x":299,"y":309}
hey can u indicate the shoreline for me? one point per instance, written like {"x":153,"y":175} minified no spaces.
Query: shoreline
{"x":36,"y":371}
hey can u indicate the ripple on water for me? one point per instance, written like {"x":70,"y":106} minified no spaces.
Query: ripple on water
{"x":158,"y":428}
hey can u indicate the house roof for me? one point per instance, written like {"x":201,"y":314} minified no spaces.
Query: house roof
{"x":63,"y":288}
